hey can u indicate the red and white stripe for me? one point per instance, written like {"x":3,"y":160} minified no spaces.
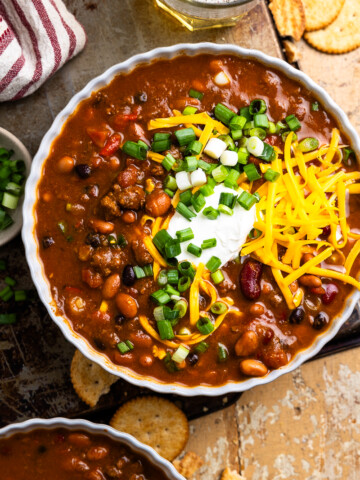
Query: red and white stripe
{"x":36,"y":38}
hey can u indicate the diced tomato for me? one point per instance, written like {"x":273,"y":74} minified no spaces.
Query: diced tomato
{"x":100,"y":317}
{"x":121,"y":120}
{"x":99,"y":137}
{"x":112,"y":145}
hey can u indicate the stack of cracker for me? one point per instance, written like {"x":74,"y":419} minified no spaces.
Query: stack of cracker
{"x":331,"y":26}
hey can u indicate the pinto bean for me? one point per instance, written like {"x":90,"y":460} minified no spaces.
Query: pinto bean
{"x":128,"y":177}
{"x":93,"y":279}
{"x":157,"y":203}
{"x":111,"y":286}
{"x":126,"y":305}
{"x":100,"y":226}
{"x":247,"y":344}
{"x":97,"y":453}
{"x":310,"y":281}
{"x":66,"y":164}
{"x":146,"y":360}
{"x":257,"y":309}
{"x":79,"y":439}
{"x":250,"y":277}
{"x":128,"y":217}
{"x":306,"y":257}
{"x":253,"y":368}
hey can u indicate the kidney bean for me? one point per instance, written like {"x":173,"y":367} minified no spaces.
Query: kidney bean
{"x":128,"y":217}
{"x":250,"y":277}
{"x":306,"y":257}
{"x":79,"y":439}
{"x":97,"y":453}
{"x":157,"y":203}
{"x":247,"y":344}
{"x":111,"y":286}
{"x":126,"y":305}
{"x":318,"y":290}
{"x":320,"y":321}
{"x":297,"y":315}
{"x":275,"y":358}
{"x":331,"y":290}
{"x":128,"y":177}
{"x":326,"y":231}
{"x":100,"y":226}
{"x":128,"y":276}
{"x":257,"y":309}
{"x":253,"y":368}
{"x":310,"y":281}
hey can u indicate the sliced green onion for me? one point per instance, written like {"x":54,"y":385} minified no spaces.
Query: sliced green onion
{"x":308,"y":144}
{"x":222,"y":352}
{"x":168,"y":162}
{"x":180,"y":354}
{"x":237,"y":122}
{"x":218,"y":308}
{"x":185,"y":234}
{"x":220,"y":173}
{"x":186,"y":269}
{"x":160,"y":297}
{"x":139,"y":272}
{"x":225,"y":209}
{"x":236,"y":134}
{"x":189,"y":110}
{"x":204,"y":325}
{"x":217,"y":277}
{"x":161,"y":145}
{"x":268,"y":153}
{"x":210,"y":181}
{"x":280,"y":126}
{"x":228,"y":140}
{"x":172,"y":248}
{"x":201,"y":347}
{"x":7,"y":318}
{"x":346,"y":154}
{"x":271,"y":128}
{"x":315,"y":106}
{"x":257,"y":106}
{"x":134,"y":150}
{"x":261,"y":120}
{"x":162,"y":278}
{"x":170,"y":365}
{"x":185,"y":197}
{"x":257,"y":132}
{"x":181,"y":306}
{"x":6,"y":294}
{"x":161,"y":136}
{"x":204,"y":165}
{"x":171,"y":193}
{"x":209,"y":243}
{"x":247,"y":200}
{"x":227,"y":199}
{"x":190,"y":164}
{"x":194,"y":148}
{"x":124,"y":347}
{"x":243,"y":156}
{"x":254,"y":233}
{"x":198,"y":201}
{"x":14,"y":188}
{"x":293,"y":123}
{"x":245,"y":112}
{"x":194,"y":250}
{"x":185,"y":211}
{"x":183,"y":284}
{"x":213,"y":263}
{"x":251,"y":172}
{"x":148,"y":270}
{"x":231,"y":179}
{"x":223,"y":113}
{"x":161,"y":239}
{"x":171,"y":290}
{"x":270,"y":175}
{"x":196,"y":94}
{"x":121,"y":240}
{"x":210,"y":213}
{"x":206,"y":190}
{"x":185,"y":136}
{"x":165,"y":330}
{"x":10,"y":281}
{"x":10,"y":201}
{"x":173,"y":276}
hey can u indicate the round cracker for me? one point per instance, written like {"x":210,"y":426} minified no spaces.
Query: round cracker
{"x":320,"y":13}
{"x":155,"y":422}
{"x":89,"y":380}
{"x":341,"y":36}
{"x":289,"y":17}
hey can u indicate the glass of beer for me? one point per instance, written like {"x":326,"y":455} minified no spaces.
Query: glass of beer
{"x":202,"y":14}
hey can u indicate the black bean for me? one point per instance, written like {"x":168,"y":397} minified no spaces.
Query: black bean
{"x":193,"y":358}
{"x":140,"y":97}
{"x":47,"y":242}
{"x":320,"y":321}
{"x":42,"y":449}
{"x":297,"y":315}
{"x":83,"y":170}
{"x":99,"y":344}
{"x":128,"y":276}
{"x":93,"y":239}
{"x":119,"y":319}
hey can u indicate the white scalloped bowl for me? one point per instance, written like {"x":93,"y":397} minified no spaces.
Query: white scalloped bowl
{"x":94,"y":428}
{"x":31,"y":245}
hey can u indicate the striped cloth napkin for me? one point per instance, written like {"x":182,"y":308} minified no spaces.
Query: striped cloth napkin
{"x":36,"y":38}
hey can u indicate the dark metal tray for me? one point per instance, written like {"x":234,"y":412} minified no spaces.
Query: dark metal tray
{"x":35,"y":362}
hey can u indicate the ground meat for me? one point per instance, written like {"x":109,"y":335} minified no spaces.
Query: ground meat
{"x":142,"y":255}
{"x":157,"y":170}
{"x":110,"y":206}
{"x":131,"y":197}
{"x":108,"y":259}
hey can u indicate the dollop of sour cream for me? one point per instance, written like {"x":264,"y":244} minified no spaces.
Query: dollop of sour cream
{"x":230,"y":231}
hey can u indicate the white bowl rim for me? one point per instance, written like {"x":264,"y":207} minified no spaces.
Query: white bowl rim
{"x":94,"y":428}
{"x":31,"y":247}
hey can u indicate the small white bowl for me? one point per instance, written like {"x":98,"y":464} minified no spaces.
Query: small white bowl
{"x":94,"y":428}
{"x":32,"y":247}
{"x":10,"y":142}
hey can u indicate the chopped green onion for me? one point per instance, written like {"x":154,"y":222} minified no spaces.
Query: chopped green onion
{"x":190,"y":164}
{"x":165,"y":330}
{"x":280,"y":126}
{"x":245,"y":112}
{"x":257,"y":132}
{"x":168,"y":162}
{"x":181,"y":306}
{"x":218,"y":308}
{"x":10,"y":281}
{"x":10,"y":201}
{"x":251,"y":172}
{"x":148,"y":270}
{"x":254,"y":233}
{"x":125,"y":347}
{"x":7,"y":318}
{"x":210,"y":181}
{"x":225,"y":209}
{"x":186,"y":269}
{"x":228,"y":140}
{"x":209,"y":243}
{"x":220,"y":173}
{"x":231,"y":179}
{"x":293,"y":123}
{"x":185,"y":211}
{"x":204,"y":325}
{"x":121,"y":240}
{"x":185,"y":136}
{"x":204,"y":165}
{"x":217,"y":277}
{"x":257,"y":106}
{"x":143,"y":145}
{"x":243,"y":156}
{"x":161,"y":145}
{"x":185,"y":197}
{"x":183,"y":284}
{"x":346,"y":154}
{"x":198,"y":201}
{"x":171,"y":193}
{"x":161,"y":136}
{"x":185,"y":234}
{"x":196,"y":94}
{"x":162,"y":278}
{"x":315,"y":106}
{"x":5,"y":220}
{"x":270,"y":175}
{"x":201,"y":347}
{"x":213,"y":263}
{"x":206,"y":190}
{"x":271,"y":128}
{"x":14,"y":188}
{"x":171,"y":290}
{"x":6,"y":293}
{"x":223,"y":113}
{"x":308,"y":144}
{"x":227,"y":199}
{"x":194,"y":250}
{"x":180,"y":354}
{"x":134,"y":150}
{"x":237,"y":122}
{"x":170,"y":365}
{"x":247,"y":200}
{"x":268,"y":153}
{"x":173,"y":276}
{"x":236,"y":134}
{"x":189,"y":110}
{"x":261,"y":120}
{"x":172,"y":248}
{"x":139,"y":272}
{"x":223,"y":353}
{"x":210,"y":213}
{"x":161,"y":239}
{"x":160,"y":297}
{"x":194,"y":148}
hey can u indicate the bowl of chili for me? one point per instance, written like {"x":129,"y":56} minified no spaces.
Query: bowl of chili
{"x":251,"y":318}
{"x":77,"y":446}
